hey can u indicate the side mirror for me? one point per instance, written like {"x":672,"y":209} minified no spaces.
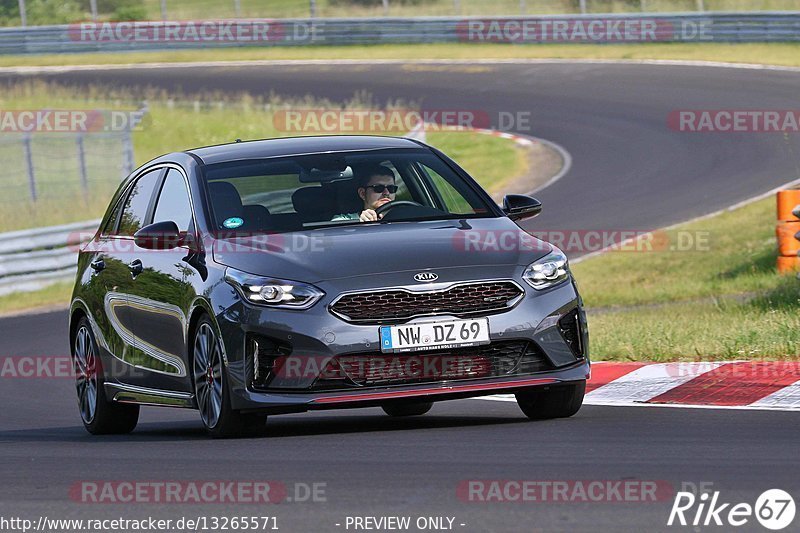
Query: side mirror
{"x":519,"y":206}
{"x":158,"y":236}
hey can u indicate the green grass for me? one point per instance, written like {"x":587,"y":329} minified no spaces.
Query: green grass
{"x":56,"y":295}
{"x":721,"y":301}
{"x":700,"y":331}
{"x":189,"y":9}
{"x":205,"y":9}
{"x":784,"y":54}
{"x":327,"y":8}
{"x":171,"y":126}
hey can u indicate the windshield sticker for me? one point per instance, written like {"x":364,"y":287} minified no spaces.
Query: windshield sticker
{"x":233,"y":222}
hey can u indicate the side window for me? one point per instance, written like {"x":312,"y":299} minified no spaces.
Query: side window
{"x":108,"y":229}
{"x":173,"y":202}
{"x":453,"y":200}
{"x":134,"y":211}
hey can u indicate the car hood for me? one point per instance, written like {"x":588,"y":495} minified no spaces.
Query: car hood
{"x":379,"y":249}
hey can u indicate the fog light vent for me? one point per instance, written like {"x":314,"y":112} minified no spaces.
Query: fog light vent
{"x":570,"y":328}
{"x":262,"y":353}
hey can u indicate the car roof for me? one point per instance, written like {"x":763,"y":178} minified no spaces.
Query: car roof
{"x":297,"y":146}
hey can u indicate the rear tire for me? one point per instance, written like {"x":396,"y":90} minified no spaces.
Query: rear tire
{"x":407,"y":408}
{"x":99,"y":415}
{"x":560,"y":401}
{"x":212,"y":391}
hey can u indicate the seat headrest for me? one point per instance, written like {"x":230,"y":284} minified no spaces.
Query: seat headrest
{"x":347,"y":199}
{"x":226,"y":201}
{"x":312,"y":201}
{"x":256,"y":217}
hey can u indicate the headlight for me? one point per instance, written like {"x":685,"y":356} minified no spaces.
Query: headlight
{"x":548,"y":271}
{"x":273,"y":292}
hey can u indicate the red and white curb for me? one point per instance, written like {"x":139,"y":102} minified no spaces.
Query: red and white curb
{"x":773,"y":385}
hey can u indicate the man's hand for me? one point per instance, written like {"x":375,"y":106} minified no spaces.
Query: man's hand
{"x":368,"y":215}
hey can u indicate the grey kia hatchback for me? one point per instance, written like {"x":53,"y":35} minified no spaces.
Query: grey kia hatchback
{"x":286,"y":275}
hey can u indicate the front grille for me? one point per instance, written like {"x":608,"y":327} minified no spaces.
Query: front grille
{"x":498,"y":359}
{"x":400,"y":304}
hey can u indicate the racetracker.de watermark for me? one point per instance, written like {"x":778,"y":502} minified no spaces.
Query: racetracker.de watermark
{"x":36,"y":367}
{"x":63,"y":367}
{"x":582,"y":241}
{"x":247,"y":492}
{"x":197,"y":31}
{"x":69,"y":120}
{"x":399,"y":121}
{"x":564,"y":491}
{"x":591,"y":30}
{"x":734,"y":120}
{"x":383,"y":367}
{"x":221,"y":242}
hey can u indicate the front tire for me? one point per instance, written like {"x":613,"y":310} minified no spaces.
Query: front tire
{"x":560,"y":401}
{"x":212,"y":391}
{"x":406,"y":408}
{"x":99,"y":415}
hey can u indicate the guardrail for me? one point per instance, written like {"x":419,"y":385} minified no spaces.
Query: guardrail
{"x":32,"y":259}
{"x":617,"y":28}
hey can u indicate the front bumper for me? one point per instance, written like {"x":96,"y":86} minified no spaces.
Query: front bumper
{"x":317,"y":336}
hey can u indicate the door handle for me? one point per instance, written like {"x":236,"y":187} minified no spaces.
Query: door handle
{"x":98,"y":265}
{"x":135,"y":267}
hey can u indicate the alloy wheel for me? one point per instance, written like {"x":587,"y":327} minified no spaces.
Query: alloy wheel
{"x":208,"y":374}
{"x":85,"y":363}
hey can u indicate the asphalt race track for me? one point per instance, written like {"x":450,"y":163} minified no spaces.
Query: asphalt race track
{"x":630,"y":171}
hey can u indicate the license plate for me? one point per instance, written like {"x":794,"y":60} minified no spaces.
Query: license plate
{"x":434,"y":335}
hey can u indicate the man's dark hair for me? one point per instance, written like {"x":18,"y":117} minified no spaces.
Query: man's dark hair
{"x":363,"y":173}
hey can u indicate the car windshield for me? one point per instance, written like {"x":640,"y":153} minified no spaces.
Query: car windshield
{"x":322,"y":190}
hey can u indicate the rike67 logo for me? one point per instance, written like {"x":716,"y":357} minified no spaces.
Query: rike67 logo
{"x":774,"y":509}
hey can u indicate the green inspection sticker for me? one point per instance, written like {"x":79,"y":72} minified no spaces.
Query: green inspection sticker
{"x":233,"y":222}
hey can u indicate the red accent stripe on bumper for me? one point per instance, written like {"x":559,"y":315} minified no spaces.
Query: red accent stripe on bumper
{"x":438,"y":390}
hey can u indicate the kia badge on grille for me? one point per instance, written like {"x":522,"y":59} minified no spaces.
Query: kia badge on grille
{"x":422,"y":277}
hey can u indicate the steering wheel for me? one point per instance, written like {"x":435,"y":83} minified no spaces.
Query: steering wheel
{"x":385,"y":208}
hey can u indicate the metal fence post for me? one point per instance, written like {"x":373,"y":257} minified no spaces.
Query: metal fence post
{"x":385,"y":8}
{"x":313,"y":8}
{"x":701,"y":5}
{"x":127,"y":153}
{"x":163,"y":9}
{"x":237,"y":8}
{"x":583,"y":7}
{"x":457,"y":7}
{"x":93,"y":7}
{"x":82,"y":164}
{"x":643,"y":5}
{"x":26,"y":146}
{"x":523,"y":9}
{"x":22,"y":14}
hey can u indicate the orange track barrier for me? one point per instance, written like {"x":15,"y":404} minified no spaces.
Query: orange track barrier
{"x":787,"y":201}
{"x":787,"y":265}
{"x":787,"y":244}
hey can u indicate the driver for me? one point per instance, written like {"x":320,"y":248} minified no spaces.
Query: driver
{"x":375,"y":187}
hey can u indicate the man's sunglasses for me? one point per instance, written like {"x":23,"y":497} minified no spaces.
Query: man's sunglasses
{"x":380,"y":187}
